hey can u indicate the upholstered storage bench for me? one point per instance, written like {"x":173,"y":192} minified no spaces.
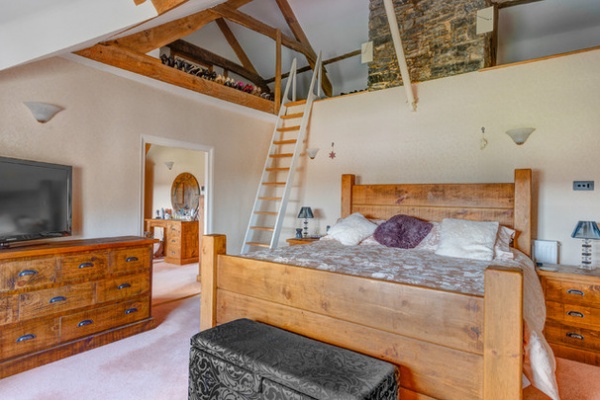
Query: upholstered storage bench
{"x":247,"y":360}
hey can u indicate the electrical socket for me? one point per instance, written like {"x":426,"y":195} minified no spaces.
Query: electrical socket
{"x":583,"y":185}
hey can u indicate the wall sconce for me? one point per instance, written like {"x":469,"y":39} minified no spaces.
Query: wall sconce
{"x":312,"y":152}
{"x":42,"y":112}
{"x":169,"y":164}
{"x":520,"y":135}
{"x":586,"y":230}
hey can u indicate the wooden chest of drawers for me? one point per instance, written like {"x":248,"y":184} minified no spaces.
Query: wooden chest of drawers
{"x":62,"y":298}
{"x":181,"y":240}
{"x":573,"y":312}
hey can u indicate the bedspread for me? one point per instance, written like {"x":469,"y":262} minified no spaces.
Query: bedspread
{"x":425,"y":268}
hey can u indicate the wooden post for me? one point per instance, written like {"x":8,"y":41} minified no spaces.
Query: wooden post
{"x":212,"y":247}
{"x":503,"y":334}
{"x":347,"y":183}
{"x":277,"y":104}
{"x":522,"y":217}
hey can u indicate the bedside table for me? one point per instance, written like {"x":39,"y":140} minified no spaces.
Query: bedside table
{"x":573,"y":311}
{"x":297,"y":241}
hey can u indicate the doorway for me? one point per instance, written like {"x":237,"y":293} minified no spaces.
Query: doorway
{"x":163,"y":161}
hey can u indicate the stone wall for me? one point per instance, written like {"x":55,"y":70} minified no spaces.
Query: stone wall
{"x":439,"y":39}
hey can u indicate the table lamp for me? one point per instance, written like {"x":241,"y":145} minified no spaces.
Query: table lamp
{"x":588,"y":231}
{"x":306,"y":213}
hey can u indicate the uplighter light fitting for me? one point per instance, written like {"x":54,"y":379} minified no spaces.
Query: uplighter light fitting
{"x":43,"y":112}
{"x":312,"y":152}
{"x":520,"y":135}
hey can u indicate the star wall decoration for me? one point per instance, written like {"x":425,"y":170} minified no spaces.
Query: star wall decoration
{"x":332,"y":152}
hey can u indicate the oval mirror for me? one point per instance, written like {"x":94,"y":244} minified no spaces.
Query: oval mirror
{"x":185,"y":195}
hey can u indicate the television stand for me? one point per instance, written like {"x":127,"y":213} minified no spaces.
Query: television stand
{"x":61,"y":298}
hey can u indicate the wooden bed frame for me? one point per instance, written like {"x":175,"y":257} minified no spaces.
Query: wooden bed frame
{"x":448,"y":345}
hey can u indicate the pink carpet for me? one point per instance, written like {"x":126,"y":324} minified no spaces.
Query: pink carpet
{"x":576,"y":381}
{"x":151,"y":365}
{"x":171,"y":282}
{"x":154,"y":365}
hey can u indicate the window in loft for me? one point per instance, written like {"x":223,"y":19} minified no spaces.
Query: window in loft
{"x":547,"y":27}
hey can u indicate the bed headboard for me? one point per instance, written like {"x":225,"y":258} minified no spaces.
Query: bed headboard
{"x":507,"y":203}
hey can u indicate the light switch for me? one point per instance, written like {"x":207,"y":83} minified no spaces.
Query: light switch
{"x":485,"y":20}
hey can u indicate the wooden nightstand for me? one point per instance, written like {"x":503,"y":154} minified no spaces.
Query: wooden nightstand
{"x":297,"y":241}
{"x":573,"y":311}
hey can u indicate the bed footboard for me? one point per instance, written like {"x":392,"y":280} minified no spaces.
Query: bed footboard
{"x":447,"y":345}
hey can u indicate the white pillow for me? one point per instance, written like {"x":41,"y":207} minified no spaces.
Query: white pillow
{"x":352,"y":229}
{"x":432,"y":240}
{"x":467,"y":239}
{"x":502,"y":247}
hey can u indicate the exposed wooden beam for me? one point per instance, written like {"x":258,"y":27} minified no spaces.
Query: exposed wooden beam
{"x":162,"y":6}
{"x":397,"y":41}
{"x":233,"y":15}
{"x":162,"y":35}
{"x":194,"y":52}
{"x":298,"y":32}
{"x":278,"y":71}
{"x":143,"y":64}
{"x":235,"y":45}
{"x":325,"y":62}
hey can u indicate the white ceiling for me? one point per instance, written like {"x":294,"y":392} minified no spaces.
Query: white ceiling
{"x":35,"y":29}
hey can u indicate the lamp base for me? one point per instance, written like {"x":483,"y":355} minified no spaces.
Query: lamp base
{"x":587,"y":267}
{"x":586,"y":255}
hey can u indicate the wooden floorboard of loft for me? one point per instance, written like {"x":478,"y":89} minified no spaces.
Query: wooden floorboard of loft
{"x":153,"y":68}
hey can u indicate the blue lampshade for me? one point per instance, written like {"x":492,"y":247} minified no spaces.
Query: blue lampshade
{"x":586,"y":230}
{"x":306,"y":212}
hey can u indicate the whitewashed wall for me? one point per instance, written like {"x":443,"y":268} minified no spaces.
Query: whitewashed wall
{"x":99,"y":133}
{"x":378,"y":138}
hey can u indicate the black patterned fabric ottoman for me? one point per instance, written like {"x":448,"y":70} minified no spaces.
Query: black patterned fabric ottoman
{"x":247,"y":360}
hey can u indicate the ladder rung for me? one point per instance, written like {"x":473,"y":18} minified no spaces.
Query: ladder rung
{"x":271,"y":169}
{"x":270,"y":198}
{"x":262,"y":228}
{"x":295,"y":103}
{"x":265,"y":212}
{"x":291,"y":116}
{"x":282,"y":155}
{"x":289,"y":141}
{"x":257,"y":244}
{"x":289,"y":128}
{"x":273,"y":183}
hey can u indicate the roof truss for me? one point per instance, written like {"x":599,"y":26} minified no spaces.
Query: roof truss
{"x":129,"y":52}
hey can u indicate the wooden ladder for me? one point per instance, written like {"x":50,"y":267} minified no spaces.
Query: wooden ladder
{"x":277,"y":178}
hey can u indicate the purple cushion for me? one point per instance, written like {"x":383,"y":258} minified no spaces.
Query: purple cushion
{"x":402,"y":231}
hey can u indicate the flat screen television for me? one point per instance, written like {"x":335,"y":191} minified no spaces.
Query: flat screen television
{"x":35,"y":200}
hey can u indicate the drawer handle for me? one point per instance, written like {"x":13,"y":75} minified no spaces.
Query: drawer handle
{"x":86,"y":265}
{"x":123,"y":286}
{"x":27,"y":272}
{"x":575,"y":292}
{"x":131,"y":259}
{"x":575,"y":314}
{"x":57,"y":299}
{"x":85,"y":322}
{"x":24,"y":338}
{"x":131,"y":310}
{"x":574,"y":335}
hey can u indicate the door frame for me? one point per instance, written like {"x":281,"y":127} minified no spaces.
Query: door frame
{"x":208,"y":174}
